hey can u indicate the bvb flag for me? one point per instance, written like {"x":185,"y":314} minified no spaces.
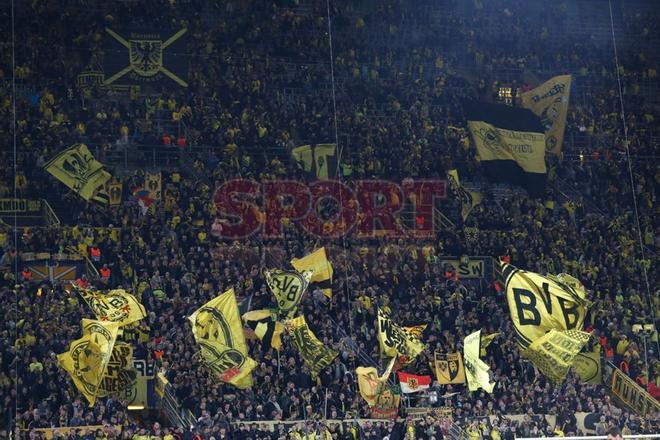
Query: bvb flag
{"x":266,"y":327}
{"x":394,"y":340}
{"x":476,"y":370}
{"x":550,"y":102}
{"x":540,"y":303}
{"x":315,"y":354}
{"x":218,"y":330}
{"x":76,"y":168}
{"x":553,"y":353}
{"x":120,"y":377}
{"x":318,"y":160}
{"x":88,"y":357}
{"x":370,"y":384}
{"x":317,"y":262}
{"x":288,"y":286}
{"x":116,"y":305}
{"x":510,"y":144}
{"x":449,"y":370}
{"x":469,"y":199}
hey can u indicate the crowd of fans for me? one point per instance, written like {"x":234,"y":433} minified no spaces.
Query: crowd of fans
{"x":261,"y":84}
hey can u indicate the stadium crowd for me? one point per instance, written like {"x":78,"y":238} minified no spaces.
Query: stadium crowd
{"x":255,"y":95}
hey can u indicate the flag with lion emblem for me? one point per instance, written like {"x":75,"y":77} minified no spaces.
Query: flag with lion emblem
{"x":449,"y":368}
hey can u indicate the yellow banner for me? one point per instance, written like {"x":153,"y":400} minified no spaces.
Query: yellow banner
{"x":553,"y":353}
{"x":288,"y":286}
{"x":115,"y":305}
{"x":524,"y":147}
{"x":153,"y":184}
{"x":540,"y":303}
{"x":469,"y":199}
{"x":550,"y":102}
{"x":120,"y":376}
{"x":449,"y":368}
{"x":315,"y":354}
{"x":88,"y":357}
{"x":370,"y":384}
{"x":485,"y":342}
{"x":266,"y":327}
{"x":387,"y":404}
{"x":476,"y":370}
{"x":394,"y":340}
{"x":115,"y":189}
{"x":218,"y":330}
{"x":634,"y":396}
{"x":317,"y":262}
{"x":587,"y":366}
{"x":76,"y":168}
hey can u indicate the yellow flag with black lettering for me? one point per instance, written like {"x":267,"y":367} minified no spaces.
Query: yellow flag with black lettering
{"x":394,"y":340}
{"x":115,"y":305}
{"x":218,"y":330}
{"x":288,"y":287}
{"x":120,"y":377}
{"x":554,"y":352}
{"x":88,"y":357}
{"x":539,"y":303}
{"x":370,"y":384}
{"x":76,"y":168}
{"x":469,"y":199}
{"x":314,"y":353}
{"x":550,"y":102}
{"x":449,"y":368}
{"x":476,"y":370}
{"x":317,"y":262}
{"x":587,"y":366}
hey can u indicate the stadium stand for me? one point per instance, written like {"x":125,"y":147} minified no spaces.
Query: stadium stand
{"x":385,"y":82}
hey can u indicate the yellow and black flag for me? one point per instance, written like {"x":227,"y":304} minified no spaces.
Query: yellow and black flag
{"x":554,"y":353}
{"x":145,"y":56}
{"x":539,"y":303}
{"x":318,"y":160}
{"x":315,"y":354}
{"x":88,"y":357}
{"x":266,"y":327}
{"x":115,"y":190}
{"x":476,"y":370}
{"x":317,"y":262}
{"x":370,"y":384}
{"x":449,"y":368}
{"x":153,"y":184}
{"x":510,"y":144}
{"x":485,"y":342}
{"x":116,"y":305}
{"x":218,"y":330}
{"x":288,"y":287}
{"x":550,"y":102}
{"x":394,"y":340}
{"x":587,"y":366}
{"x":120,"y":377}
{"x":469,"y":199}
{"x":77,"y":169}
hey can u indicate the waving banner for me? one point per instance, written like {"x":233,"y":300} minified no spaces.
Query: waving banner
{"x":218,"y":330}
{"x":317,"y":262}
{"x":315,"y":354}
{"x":88,"y":357}
{"x":394,"y":340}
{"x":288,"y":286}
{"x":116,"y":305}
{"x":77,"y":169}
{"x":553,"y":354}
{"x":476,"y":370}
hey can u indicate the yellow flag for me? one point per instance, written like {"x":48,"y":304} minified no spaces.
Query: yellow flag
{"x":317,"y":262}
{"x":115,"y":189}
{"x":540,"y":303}
{"x":266,"y":327}
{"x":120,"y":377}
{"x":115,"y":305}
{"x":88,"y":357}
{"x":449,"y":368}
{"x":553,"y":353}
{"x":153,"y":184}
{"x":394,"y":340}
{"x":315,"y":354}
{"x":485,"y":342}
{"x":218,"y":330}
{"x":469,"y":199}
{"x":476,"y":370}
{"x":370,"y":384}
{"x":288,"y":287}
{"x":550,"y":102}
{"x":416,"y":330}
{"x":587,"y":366}
{"x":76,"y":168}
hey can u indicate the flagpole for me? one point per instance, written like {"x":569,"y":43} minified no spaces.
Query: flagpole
{"x":325,"y":410}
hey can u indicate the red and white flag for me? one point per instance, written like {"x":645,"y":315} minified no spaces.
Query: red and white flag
{"x":411,"y":383}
